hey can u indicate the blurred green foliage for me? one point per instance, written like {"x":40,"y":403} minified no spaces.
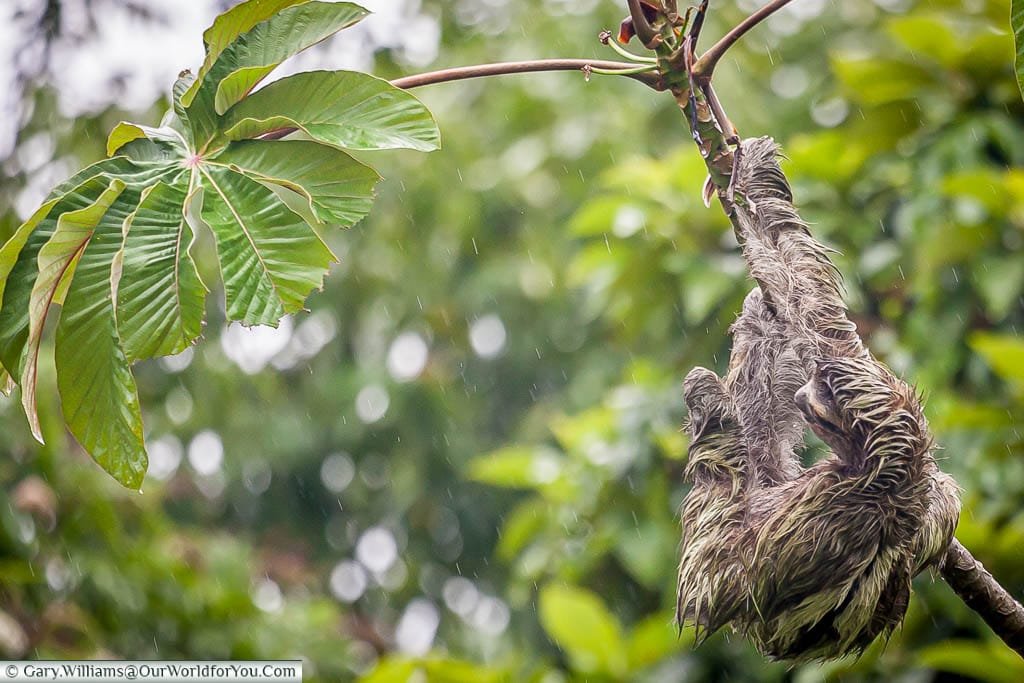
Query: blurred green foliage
{"x":465,"y":463}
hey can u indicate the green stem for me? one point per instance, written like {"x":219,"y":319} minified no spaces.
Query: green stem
{"x":609,"y":40}
{"x":646,"y":69}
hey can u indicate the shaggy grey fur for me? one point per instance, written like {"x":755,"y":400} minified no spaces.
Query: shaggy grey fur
{"x":809,"y":563}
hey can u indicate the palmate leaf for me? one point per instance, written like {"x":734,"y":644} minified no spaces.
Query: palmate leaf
{"x":339,"y":189}
{"x":125,"y":133}
{"x":255,"y":53}
{"x":344,"y":108}
{"x":275,"y":40}
{"x":97,"y":390}
{"x":227,"y":28}
{"x":19,"y":255}
{"x":159,"y":293}
{"x":57,"y":261}
{"x":112,"y":244}
{"x":270,"y":259}
{"x":83,"y":229}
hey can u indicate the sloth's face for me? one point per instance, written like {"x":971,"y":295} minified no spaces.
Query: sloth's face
{"x":818,"y":405}
{"x":845,"y":397}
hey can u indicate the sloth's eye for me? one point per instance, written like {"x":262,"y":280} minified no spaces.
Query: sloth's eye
{"x":826,"y":395}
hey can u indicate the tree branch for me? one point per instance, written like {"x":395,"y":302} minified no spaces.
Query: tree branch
{"x":983,"y":594}
{"x":704,"y":66}
{"x":651,"y":79}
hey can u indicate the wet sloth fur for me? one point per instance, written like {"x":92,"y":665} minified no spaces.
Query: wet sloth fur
{"x":809,"y":563}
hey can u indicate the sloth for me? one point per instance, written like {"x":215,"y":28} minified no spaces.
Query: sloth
{"x":809,"y":563}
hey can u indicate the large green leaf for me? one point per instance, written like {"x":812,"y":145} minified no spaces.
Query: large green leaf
{"x":125,"y":133}
{"x":97,"y":390}
{"x":227,"y":28}
{"x":186,"y":79}
{"x":44,"y":251}
{"x":57,"y":261}
{"x":12,"y":248}
{"x":159,"y":294}
{"x":338,"y":188}
{"x":75,"y":194}
{"x":257,"y":52}
{"x":344,"y":108}
{"x":580,"y":624}
{"x":271,"y":42}
{"x":8,"y":258}
{"x":270,"y":259}
{"x":112,"y":243}
{"x":1017,"y":22}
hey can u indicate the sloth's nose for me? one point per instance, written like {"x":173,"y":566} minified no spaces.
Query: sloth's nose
{"x":802,"y":398}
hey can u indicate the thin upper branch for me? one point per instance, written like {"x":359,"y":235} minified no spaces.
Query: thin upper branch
{"x":704,"y":66}
{"x":504,"y":68}
{"x":460,"y":73}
